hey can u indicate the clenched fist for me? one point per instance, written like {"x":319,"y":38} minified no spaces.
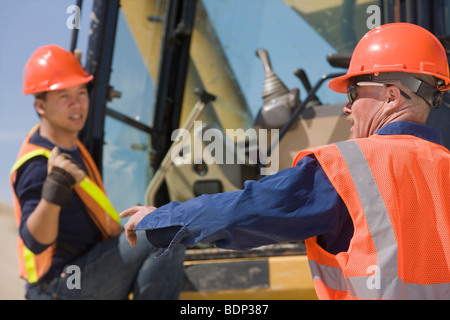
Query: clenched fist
{"x":66,"y":163}
{"x":63,"y":173}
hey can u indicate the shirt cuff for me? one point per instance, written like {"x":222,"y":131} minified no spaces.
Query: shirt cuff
{"x":164,"y":236}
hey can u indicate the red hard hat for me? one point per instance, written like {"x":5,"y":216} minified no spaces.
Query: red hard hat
{"x":52,"y":68}
{"x":396,"y":47}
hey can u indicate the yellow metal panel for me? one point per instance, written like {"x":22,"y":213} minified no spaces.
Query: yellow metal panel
{"x":291,"y":277}
{"x":147,"y":34}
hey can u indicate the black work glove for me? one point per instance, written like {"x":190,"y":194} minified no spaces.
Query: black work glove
{"x":58,"y":186}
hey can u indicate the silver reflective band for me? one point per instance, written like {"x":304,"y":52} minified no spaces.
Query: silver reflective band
{"x":375,"y":211}
{"x":390,"y":288}
{"x":380,"y":227}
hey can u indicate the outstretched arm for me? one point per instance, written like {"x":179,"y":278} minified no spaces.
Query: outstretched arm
{"x":291,"y":205}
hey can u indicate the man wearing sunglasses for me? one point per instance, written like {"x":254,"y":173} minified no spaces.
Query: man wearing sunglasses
{"x":373,"y":210}
{"x":403,"y":96}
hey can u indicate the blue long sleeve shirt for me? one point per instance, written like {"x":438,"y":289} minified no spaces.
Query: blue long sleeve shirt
{"x":292,"y":205}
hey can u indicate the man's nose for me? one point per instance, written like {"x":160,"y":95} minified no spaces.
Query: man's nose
{"x":75,"y":101}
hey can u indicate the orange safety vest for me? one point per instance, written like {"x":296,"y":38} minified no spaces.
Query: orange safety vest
{"x":91,"y":191}
{"x":397,"y":191}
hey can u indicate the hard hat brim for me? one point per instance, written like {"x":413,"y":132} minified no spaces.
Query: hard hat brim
{"x":340,"y":84}
{"x":58,"y":86}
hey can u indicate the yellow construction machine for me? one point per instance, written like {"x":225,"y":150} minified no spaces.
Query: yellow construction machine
{"x":167,"y":72}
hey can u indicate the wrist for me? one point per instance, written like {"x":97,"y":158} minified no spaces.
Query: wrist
{"x":57,"y":188}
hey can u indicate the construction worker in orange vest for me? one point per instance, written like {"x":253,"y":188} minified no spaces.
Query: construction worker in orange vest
{"x":71,"y":243}
{"x":374,"y":210}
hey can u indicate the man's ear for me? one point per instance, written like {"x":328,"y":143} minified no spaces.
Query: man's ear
{"x":39,"y":105}
{"x":393,"y":97}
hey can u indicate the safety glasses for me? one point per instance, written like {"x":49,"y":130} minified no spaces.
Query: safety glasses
{"x":351,"y":91}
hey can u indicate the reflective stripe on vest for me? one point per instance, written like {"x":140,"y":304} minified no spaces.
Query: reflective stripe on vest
{"x":378,"y":220}
{"x":367,"y":287}
{"x":382,"y":280}
{"x":30,"y":266}
{"x":91,"y":188}
{"x":28,"y":156}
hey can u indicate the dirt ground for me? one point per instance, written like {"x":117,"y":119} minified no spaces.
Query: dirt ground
{"x":11,"y":286}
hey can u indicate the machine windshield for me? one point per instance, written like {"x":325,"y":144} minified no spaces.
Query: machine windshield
{"x":297,"y":34}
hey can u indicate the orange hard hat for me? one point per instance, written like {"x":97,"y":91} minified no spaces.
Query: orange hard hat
{"x":52,"y":68}
{"x":396,"y":47}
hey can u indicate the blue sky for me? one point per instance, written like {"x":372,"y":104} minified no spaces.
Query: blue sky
{"x":26,"y":25}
